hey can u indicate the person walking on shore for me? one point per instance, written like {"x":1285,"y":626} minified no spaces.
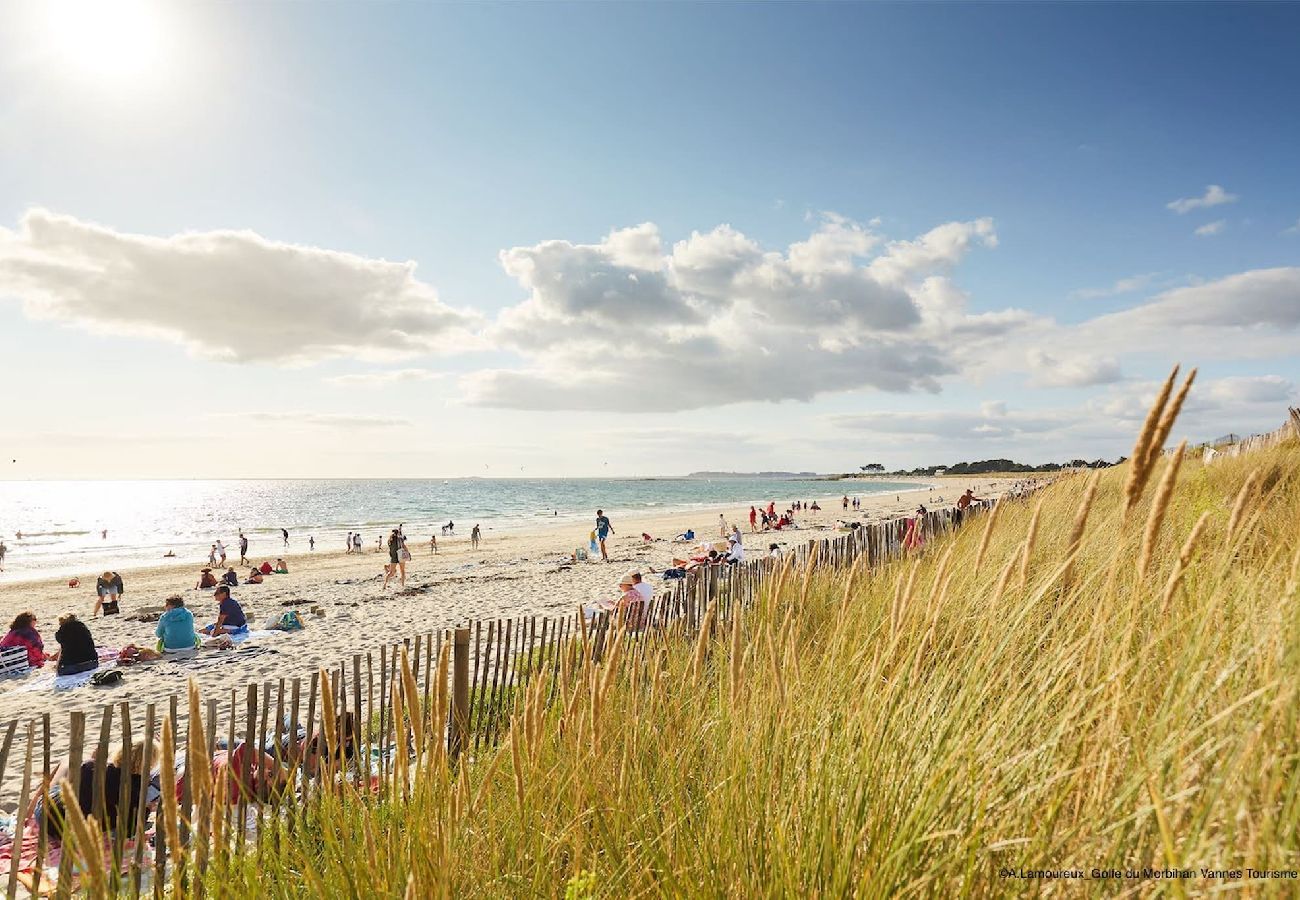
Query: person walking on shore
{"x":311,"y":543}
{"x":603,"y":530}
{"x":753,"y":519}
{"x":221,"y":553}
{"x":349,"y":543}
{"x":474,"y":537}
{"x":3,"y":551}
{"x":395,"y":561}
{"x":243,"y":549}
{"x":285,"y":532}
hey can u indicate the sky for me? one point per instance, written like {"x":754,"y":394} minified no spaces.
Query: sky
{"x":547,"y":239}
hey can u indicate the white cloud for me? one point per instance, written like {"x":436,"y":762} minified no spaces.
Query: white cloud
{"x":1214,"y":196}
{"x":993,"y":422}
{"x":1120,"y":286}
{"x":1211,"y":228}
{"x":719,"y":319}
{"x":230,"y":295}
{"x":1244,"y":389}
{"x":1076,"y":370}
{"x":323,"y":420}
{"x":385,"y":377}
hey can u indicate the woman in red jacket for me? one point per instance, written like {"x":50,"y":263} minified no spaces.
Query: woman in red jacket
{"x":23,"y":633}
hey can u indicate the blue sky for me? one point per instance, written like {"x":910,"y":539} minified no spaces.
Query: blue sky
{"x":498,"y":146}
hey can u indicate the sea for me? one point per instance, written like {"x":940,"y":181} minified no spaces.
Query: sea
{"x":84,"y":527}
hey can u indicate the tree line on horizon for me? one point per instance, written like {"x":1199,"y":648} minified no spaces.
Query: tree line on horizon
{"x":990,"y":466}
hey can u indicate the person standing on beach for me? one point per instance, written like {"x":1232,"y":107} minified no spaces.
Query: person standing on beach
{"x":221,"y":553}
{"x":394,"y":560}
{"x":212,"y":555}
{"x":603,"y":530}
{"x":3,"y":551}
{"x":474,"y":537}
{"x":722,"y":525}
{"x":433,"y":545}
{"x":243,"y":549}
{"x":356,"y":542}
{"x":285,"y":532}
{"x":311,"y":543}
{"x":753,"y":519}
{"x":349,"y":542}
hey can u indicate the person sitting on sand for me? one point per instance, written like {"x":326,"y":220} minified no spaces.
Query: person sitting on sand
{"x":687,"y":535}
{"x":77,"y":652}
{"x":774,"y":551}
{"x":207,"y":580}
{"x":735,"y":552}
{"x":23,"y":633}
{"x":175,"y":629}
{"x":55,"y":817}
{"x":266,"y":777}
{"x":109,"y":590}
{"x":230,"y":615}
{"x":231,"y":577}
{"x":281,"y":567}
{"x":266,"y":567}
{"x":254,"y":576}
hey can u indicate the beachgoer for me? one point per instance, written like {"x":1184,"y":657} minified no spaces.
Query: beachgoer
{"x":175,"y":629}
{"x":349,"y":542}
{"x":815,"y":507}
{"x":433,"y":545}
{"x":55,"y":817}
{"x":243,"y":549}
{"x":212,"y":555}
{"x":3,"y":551}
{"x":753,"y":519}
{"x":735,"y":552}
{"x":967,"y":498}
{"x":231,"y":578}
{"x":266,"y":567}
{"x":104,"y":534}
{"x":254,"y":577}
{"x":266,"y":778}
{"x":474,"y":537}
{"x":76,"y":647}
{"x":206,"y":580}
{"x":356,"y":542}
{"x":281,"y":567}
{"x":108,"y":590}
{"x":395,"y":560}
{"x":722,"y":525}
{"x":230,"y":615}
{"x":603,"y":530}
{"x":221,"y":553}
{"x":23,"y":633}
{"x":285,"y":532}
{"x":642,"y":587}
{"x":311,"y":543}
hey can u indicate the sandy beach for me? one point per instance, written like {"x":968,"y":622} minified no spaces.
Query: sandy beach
{"x":509,"y":575}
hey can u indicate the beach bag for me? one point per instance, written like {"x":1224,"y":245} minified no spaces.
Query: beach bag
{"x":404,"y":555}
{"x":105,"y":679}
{"x":290,"y":621}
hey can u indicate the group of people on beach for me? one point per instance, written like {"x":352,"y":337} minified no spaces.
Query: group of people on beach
{"x":767,"y":519}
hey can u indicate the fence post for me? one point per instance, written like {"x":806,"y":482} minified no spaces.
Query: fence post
{"x":458,"y":731}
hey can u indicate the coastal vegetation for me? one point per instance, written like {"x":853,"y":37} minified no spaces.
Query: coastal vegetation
{"x":1101,"y":682}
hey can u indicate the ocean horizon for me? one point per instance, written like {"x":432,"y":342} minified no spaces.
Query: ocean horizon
{"x":83,"y":526}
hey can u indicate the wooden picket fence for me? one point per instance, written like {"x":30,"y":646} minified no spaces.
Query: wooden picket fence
{"x":471,"y":678}
{"x":1290,"y":430}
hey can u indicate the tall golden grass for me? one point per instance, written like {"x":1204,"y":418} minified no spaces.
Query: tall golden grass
{"x":1130,"y":698}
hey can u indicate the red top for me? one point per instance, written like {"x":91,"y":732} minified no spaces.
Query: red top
{"x":30,"y":639}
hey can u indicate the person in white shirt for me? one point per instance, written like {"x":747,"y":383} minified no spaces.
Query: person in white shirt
{"x":642,"y":587}
{"x":736,"y":552}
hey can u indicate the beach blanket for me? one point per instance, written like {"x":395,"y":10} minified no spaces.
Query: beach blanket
{"x":22,"y":853}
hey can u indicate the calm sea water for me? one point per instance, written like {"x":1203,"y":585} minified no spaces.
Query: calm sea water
{"x":62,"y":521}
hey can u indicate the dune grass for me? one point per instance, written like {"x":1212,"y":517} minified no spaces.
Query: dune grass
{"x":1098,"y":680}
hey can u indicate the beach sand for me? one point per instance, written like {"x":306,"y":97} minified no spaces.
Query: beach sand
{"x":510,"y":574}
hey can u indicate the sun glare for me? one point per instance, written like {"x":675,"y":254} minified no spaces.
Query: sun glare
{"x":115,"y":40}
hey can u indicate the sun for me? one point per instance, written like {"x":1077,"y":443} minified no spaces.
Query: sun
{"x":113,"y":40}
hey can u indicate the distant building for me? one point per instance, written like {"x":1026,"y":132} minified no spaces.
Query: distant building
{"x":938,"y":472}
